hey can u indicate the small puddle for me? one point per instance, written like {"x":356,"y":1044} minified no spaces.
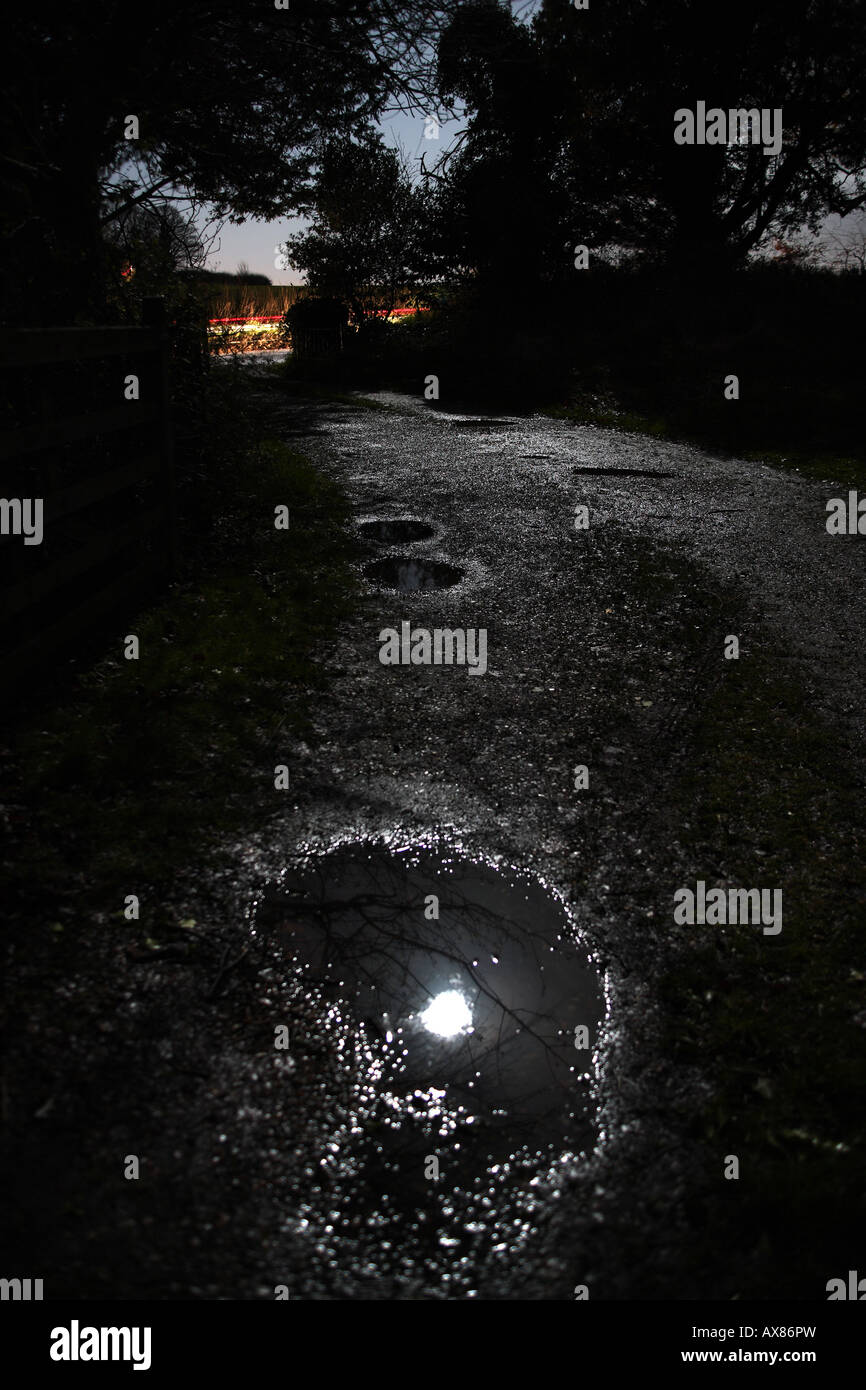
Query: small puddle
{"x":493,"y":423}
{"x":407,"y":575}
{"x":466,"y":992}
{"x":397,"y":532}
{"x":615,"y":472}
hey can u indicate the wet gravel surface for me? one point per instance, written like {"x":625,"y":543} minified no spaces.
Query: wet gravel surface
{"x":264,"y":1167}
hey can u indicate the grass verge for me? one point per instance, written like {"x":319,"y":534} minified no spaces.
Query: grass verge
{"x":152,"y":759}
{"x":778,"y":1024}
{"x":603,"y":411}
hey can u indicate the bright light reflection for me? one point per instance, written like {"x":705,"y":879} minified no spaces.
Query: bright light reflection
{"x":447,"y":1014}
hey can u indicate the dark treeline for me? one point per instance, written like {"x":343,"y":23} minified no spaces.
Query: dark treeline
{"x":600,"y":259}
{"x":573,"y":247}
{"x":112,"y":125}
{"x":654,"y":344}
{"x":576,"y":253}
{"x":221,"y":277}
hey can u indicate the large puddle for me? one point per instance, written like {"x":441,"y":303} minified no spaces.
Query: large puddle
{"x":474,"y":1019}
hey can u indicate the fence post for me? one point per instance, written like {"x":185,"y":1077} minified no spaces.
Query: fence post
{"x":154,"y":316}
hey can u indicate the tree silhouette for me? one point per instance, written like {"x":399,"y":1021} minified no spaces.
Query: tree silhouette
{"x":586,"y":101}
{"x":233,"y":99}
{"x":366,"y":242}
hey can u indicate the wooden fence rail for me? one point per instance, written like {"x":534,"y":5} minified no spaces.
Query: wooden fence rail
{"x":104,"y":476}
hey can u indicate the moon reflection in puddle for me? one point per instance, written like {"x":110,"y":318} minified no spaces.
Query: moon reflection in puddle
{"x":480,"y":1013}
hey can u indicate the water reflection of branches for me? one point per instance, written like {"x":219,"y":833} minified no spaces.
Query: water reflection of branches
{"x":366,"y":932}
